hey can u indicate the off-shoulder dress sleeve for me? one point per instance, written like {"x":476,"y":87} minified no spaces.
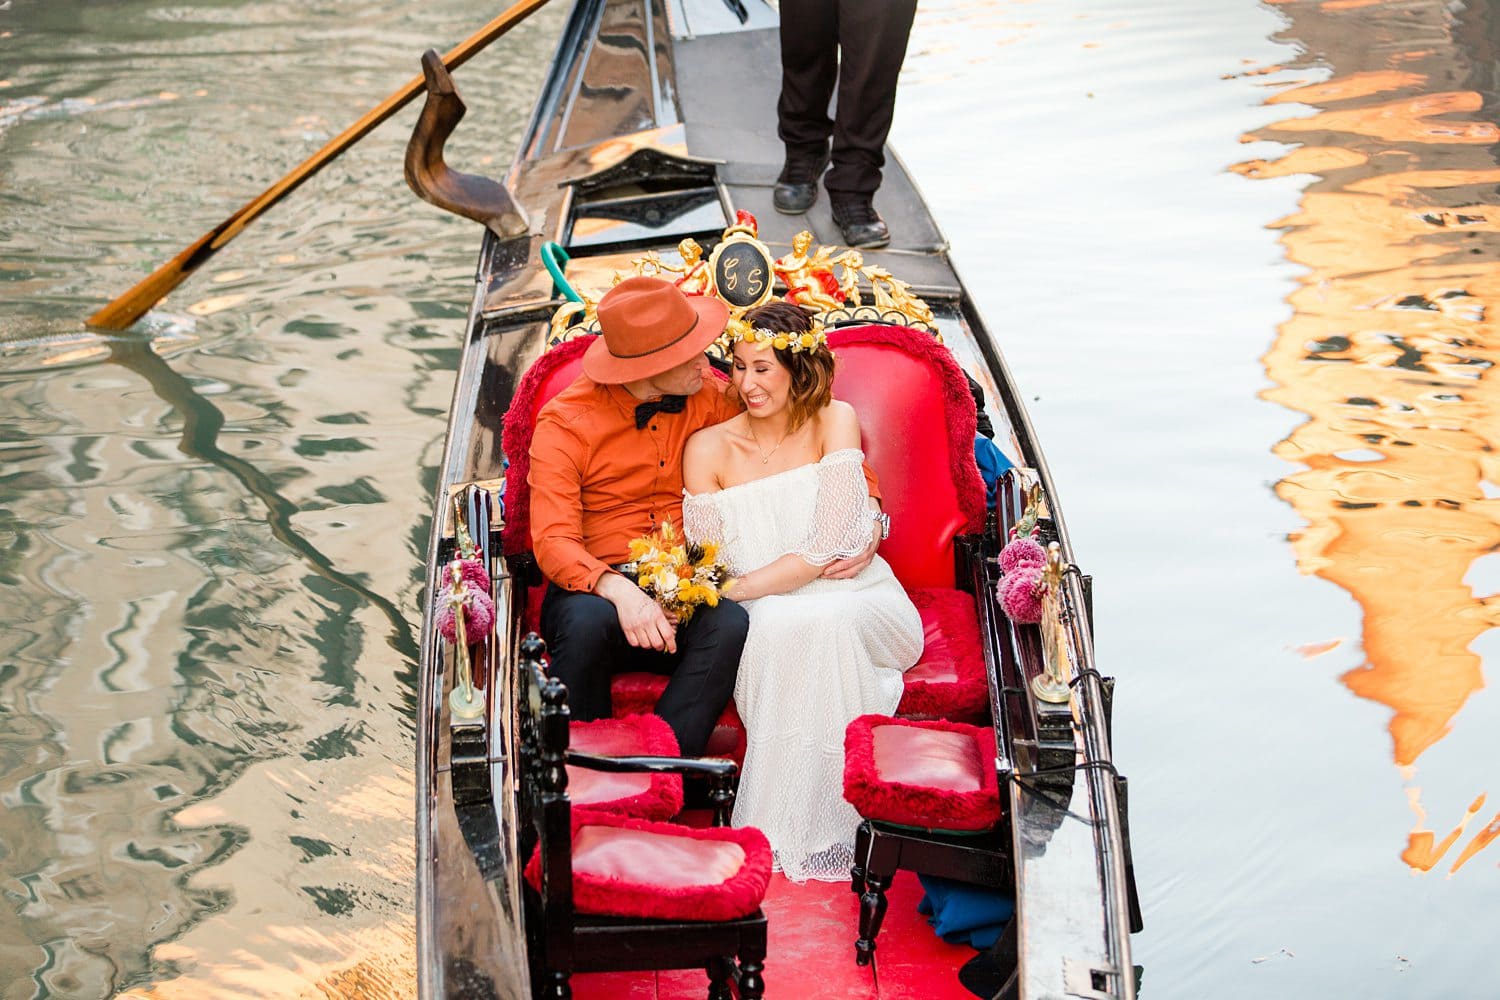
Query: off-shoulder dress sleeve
{"x":701,"y":520}
{"x":841,"y":525}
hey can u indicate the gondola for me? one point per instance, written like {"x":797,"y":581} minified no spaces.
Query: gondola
{"x":655,"y":126}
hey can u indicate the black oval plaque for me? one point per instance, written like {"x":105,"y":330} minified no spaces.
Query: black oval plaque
{"x":742,"y":272}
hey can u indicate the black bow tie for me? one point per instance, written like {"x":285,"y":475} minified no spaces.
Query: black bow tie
{"x":667,"y":404}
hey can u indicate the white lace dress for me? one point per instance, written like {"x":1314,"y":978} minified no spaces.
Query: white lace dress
{"x":815,"y":658}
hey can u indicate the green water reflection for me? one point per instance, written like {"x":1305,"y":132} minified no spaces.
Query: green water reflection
{"x":213,"y":526}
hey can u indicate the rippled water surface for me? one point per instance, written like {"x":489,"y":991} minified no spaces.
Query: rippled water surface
{"x":1242,"y":258}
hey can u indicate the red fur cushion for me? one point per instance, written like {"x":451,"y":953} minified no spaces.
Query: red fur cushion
{"x":554,"y":371}
{"x":948,"y":682}
{"x":939,"y":775}
{"x":627,"y":867}
{"x":918,"y":423}
{"x":639,"y":692}
{"x":646,"y":796}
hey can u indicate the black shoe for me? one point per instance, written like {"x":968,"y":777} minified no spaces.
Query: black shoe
{"x":797,"y":187}
{"x":862,"y":226}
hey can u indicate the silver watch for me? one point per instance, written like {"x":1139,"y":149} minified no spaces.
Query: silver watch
{"x":884,"y":520}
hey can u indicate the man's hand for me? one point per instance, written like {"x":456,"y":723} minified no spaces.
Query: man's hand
{"x":645,"y":624}
{"x":844,"y":569}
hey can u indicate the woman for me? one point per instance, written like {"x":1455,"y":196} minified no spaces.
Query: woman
{"x":781,"y":487}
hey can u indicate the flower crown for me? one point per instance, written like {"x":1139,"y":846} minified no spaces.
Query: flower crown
{"x":739,"y":330}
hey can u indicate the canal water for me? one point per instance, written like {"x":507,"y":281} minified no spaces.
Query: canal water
{"x":1241,"y":256}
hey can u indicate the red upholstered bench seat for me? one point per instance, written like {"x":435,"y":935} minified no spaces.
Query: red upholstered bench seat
{"x":636,"y":693}
{"x":948,"y":682}
{"x":639,"y":692}
{"x":645,"y":796}
{"x":633,"y":868}
{"x":924,"y":773}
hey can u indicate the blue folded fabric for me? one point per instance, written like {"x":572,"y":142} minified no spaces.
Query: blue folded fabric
{"x":963,"y":913}
{"x":992,"y":465}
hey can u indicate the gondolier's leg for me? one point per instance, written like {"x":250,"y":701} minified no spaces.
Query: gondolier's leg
{"x":809,"y":68}
{"x":708,"y":657}
{"x":872,"y":46}
{"x":586,"y":644}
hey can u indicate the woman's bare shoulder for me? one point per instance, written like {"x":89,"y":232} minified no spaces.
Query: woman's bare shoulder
{"x":838,"y":426}
{"x":703,"y":456}
{"x":713,"y":436}
{"x":841,"y":411}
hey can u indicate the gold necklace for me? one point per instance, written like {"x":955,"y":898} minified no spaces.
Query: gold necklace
{"x":765,"y":456}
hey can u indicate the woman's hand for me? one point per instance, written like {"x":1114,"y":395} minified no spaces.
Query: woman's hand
{"x":845,"y":569}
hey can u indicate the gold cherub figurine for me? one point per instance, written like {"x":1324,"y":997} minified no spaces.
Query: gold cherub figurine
{"x":809,"y":281}
{"x":693,"y":276}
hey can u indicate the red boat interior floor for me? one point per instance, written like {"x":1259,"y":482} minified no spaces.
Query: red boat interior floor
{"x":810,"y":955}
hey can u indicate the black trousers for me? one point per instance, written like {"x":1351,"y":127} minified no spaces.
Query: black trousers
{"x":587,"y":647}
{"x":860,"y":44}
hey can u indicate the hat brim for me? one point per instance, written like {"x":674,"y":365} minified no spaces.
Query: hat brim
{"x":711,"y":316}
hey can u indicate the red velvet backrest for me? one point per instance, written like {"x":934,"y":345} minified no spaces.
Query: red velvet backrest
{"x":918,"y":424}
{"x":551,"y":373}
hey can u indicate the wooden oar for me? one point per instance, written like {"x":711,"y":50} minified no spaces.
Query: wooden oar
{"x":131,"y":306}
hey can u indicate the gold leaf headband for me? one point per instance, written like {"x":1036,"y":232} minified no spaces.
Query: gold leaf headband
{"x":739,"y":330}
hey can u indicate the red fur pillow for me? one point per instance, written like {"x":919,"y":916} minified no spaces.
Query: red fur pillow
{"x":911,"y":804}
{"x":662,"y":871}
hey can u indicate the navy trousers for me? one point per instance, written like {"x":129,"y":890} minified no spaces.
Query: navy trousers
{"x":587,"y":647}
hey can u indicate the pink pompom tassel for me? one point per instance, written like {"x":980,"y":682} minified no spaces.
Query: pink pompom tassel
{"x":479,"y":615}
{"x":1020,"y":594}
{"x":473,"y":572}
{"x":1021,"y":551}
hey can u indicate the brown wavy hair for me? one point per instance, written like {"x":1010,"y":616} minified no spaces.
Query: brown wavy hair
{"x":811,"y":371}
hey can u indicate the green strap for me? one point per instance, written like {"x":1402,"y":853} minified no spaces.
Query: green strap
{"x":554,"y":259}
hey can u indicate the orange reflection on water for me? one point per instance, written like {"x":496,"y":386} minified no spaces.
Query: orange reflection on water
{"x":289,"y":950}
{"x":1345,"y":87}
{"x":1386,"y":353}
{"x":1421,"y":852}
{"x":1481,"y":840}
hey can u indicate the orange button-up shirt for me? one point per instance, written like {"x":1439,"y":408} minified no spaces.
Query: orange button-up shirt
{"x":597,"y":482}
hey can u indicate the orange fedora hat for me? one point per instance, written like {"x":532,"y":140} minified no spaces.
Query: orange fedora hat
{"x":649,"y":326}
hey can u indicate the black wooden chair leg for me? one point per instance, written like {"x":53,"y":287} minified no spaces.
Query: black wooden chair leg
{"x":557,"y":986}
{"x":720,"y":971}
{"x":752,"y":963}
{"x":861,"y":848}
{"x":752,"y":986}
{"x":872,"y":904}
{"x":881,"y":861}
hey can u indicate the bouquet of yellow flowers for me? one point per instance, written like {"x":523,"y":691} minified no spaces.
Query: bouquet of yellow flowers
{"x":678,"y":574}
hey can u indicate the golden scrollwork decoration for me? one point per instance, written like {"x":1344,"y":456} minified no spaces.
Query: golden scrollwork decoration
{"x":742,"y":272}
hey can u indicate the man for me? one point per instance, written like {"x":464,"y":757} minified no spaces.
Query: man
{"x":861,"y":45}
{"x":606,"y":467}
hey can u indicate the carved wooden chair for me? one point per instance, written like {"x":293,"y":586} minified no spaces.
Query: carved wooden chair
{"x":613,"y":892}
{"x":929,"y":795}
